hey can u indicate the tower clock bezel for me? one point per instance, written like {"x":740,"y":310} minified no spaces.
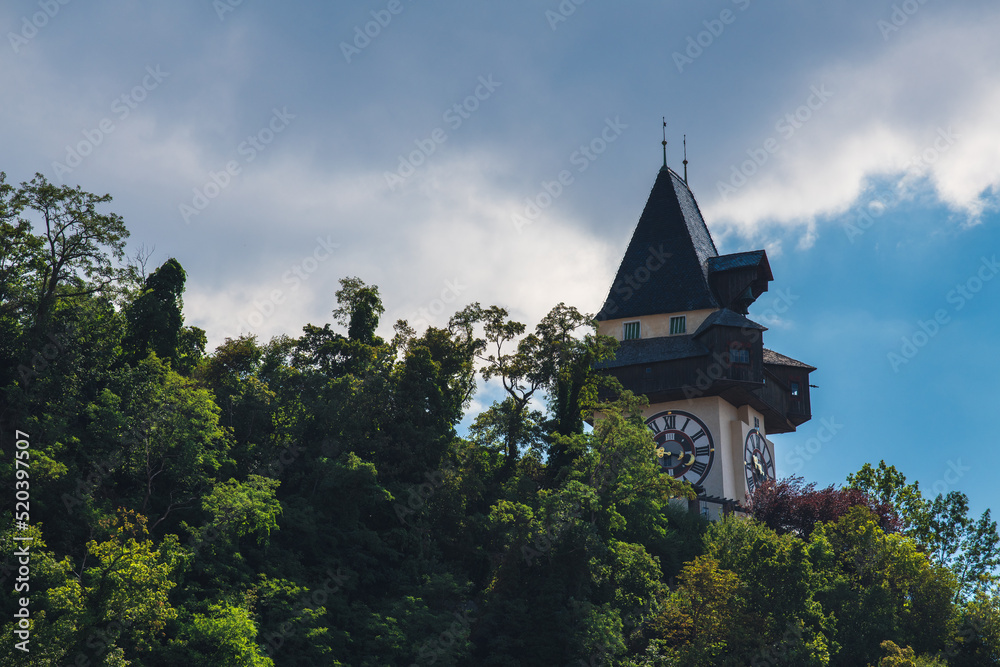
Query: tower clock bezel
{"x":760,"y":468}
{"x":695,"y":444}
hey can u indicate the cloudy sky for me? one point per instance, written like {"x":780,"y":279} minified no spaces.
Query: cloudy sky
{"x":273,"y":148}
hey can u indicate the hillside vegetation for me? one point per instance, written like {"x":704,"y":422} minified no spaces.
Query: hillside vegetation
{"x":307,"y":500}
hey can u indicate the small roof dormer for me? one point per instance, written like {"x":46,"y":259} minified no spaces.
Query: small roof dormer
{"x":737,"y":280}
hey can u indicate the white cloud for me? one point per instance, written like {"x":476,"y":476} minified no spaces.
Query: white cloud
{"x":445,"y":240}
{"x":922,"y":111}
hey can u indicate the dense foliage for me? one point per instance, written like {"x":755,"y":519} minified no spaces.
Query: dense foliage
{"x":308,"y":500}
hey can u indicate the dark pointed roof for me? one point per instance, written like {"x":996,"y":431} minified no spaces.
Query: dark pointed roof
{"x":671,"y":225}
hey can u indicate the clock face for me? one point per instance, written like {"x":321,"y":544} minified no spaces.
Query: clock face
{"x":684,"y":445}
{"x":758,"y":465}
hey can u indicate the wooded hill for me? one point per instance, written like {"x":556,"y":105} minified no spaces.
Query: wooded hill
{"x":307,"y":500}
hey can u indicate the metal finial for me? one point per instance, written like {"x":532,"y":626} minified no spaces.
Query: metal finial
{"x":685,"y":159}
{"x":664,"y":142}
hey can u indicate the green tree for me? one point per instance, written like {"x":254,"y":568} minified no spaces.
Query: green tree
{"x":904,"y":657}
{"x":226,"y":636}
{"x":359,"y":308}
{"x":78,"y":243}
{"x":249,"y":409}
{"x":244,"y":508}
{"x":553,"y":359}
{"x":787,"y":623}
{"x":165,"y":432}
{"x":942,"y":526}
{"x":518,"y":372}
{"x":575,"y":554}
{"x":119,"y":599}
{"x":886,"y":484}
{"x":970,"y":548}
{"x":154,"y":317}
{"x":881,"y":586}
{"x":977,"y":638}
{"x":702,"y":623}
{"x":20,"y":257}
{"x":54,"y":604}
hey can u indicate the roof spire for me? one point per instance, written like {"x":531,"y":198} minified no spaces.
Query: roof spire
{"x":685,"y":159}
{"x":664,"y":142}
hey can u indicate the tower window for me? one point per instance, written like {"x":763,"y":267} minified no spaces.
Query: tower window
{"x":631,"y":331}
{"x":795,"y":388}
{"x":678,"y":325}
{"x":739,"y":355}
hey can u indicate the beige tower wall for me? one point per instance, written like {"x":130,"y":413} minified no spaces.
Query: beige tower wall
{"x":653,"y":326}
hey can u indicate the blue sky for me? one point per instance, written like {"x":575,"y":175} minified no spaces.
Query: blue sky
{"x":274,"y":148}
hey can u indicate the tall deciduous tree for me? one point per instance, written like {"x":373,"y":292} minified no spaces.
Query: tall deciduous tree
{"x":78,"y":242}
{"x":20,"y":255}
{"x":887,"y":485}
{"x":155,"y":322}
{"x":359,"y":309}
{"x":554,"y":359}
{"x":881,"y":587}
{"x":942,"y":526}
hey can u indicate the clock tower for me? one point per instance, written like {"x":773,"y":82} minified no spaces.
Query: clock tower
{"x":681,"y":313}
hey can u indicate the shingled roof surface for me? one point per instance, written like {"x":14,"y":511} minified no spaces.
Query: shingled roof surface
{"x":727,"y":318}
{"x":670,"y":223}
{"x":776,"y":359}
{"x":651,"y":350}
{"x":736,"y":260}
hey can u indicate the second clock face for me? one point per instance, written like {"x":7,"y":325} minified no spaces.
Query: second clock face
{"x":684,"y":445}
{"x":757,"y":460}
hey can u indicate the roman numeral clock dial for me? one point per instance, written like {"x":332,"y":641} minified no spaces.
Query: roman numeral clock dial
{"x":684,"y":445}
{"x":757,"y":460}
